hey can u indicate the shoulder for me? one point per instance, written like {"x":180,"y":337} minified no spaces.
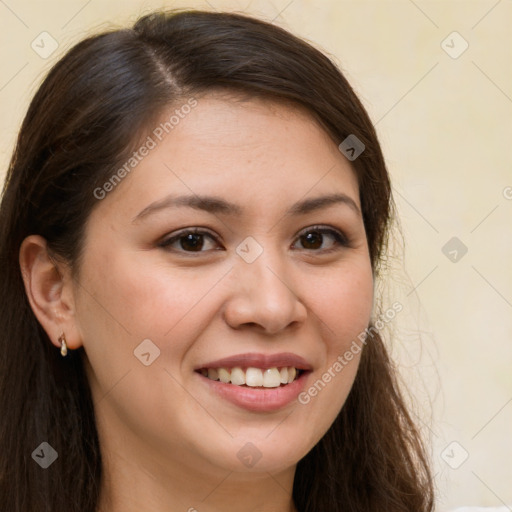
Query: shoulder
{"x":481,"y":509}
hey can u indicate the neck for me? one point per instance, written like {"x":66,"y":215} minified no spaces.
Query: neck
{"x":131,"y":487}
{"x":139,"y":475}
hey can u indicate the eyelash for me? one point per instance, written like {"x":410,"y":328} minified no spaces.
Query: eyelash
{"x":341,"y":240}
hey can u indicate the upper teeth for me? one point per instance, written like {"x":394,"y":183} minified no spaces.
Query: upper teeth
{"x":252,"y":377}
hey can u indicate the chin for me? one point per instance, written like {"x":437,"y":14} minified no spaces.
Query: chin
{"x":250,"y":455}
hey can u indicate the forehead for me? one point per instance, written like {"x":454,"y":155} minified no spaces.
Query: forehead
{"x":253,"y":152}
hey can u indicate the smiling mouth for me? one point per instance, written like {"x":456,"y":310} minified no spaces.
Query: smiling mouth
{"x":253,"y":377}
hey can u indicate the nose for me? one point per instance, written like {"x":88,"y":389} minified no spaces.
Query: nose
{"x":263,"y":295}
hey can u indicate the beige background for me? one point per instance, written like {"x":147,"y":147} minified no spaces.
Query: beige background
{"x":445,"y":125}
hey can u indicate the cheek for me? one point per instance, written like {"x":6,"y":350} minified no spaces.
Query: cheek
{"x":126,"y":298}
{"x":122,"y":302}
{"x":344,"y":303}
{"x":127,"y":293}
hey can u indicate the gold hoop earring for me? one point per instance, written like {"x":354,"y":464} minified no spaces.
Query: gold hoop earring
{"x":63,"y":346}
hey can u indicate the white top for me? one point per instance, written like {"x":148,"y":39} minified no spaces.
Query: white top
{"x":482,"y":509}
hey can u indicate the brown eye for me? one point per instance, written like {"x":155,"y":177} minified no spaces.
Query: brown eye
{"x":187,"y":241}
{"x":195,"y":241}
{"x":192,"y":241}
{"x":313,"y":239}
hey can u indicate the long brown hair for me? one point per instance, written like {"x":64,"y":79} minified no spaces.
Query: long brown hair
{"x":81,"y":125}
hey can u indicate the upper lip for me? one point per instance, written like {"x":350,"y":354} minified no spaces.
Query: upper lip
{"x":256,"y":360}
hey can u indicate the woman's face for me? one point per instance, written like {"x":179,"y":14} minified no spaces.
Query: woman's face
{"x":274,"y":278}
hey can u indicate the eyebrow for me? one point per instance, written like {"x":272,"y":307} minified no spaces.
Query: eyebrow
{"x":217,"y":205}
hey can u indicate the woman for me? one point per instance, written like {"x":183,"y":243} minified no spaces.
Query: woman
{"x":193,"y":221}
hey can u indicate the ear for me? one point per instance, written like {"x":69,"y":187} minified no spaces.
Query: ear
{"x":49,"y":289}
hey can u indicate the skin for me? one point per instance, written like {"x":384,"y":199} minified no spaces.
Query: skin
{"x":168,"y":443}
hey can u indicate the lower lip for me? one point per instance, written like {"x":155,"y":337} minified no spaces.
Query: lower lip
{"x":258,"y":399}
